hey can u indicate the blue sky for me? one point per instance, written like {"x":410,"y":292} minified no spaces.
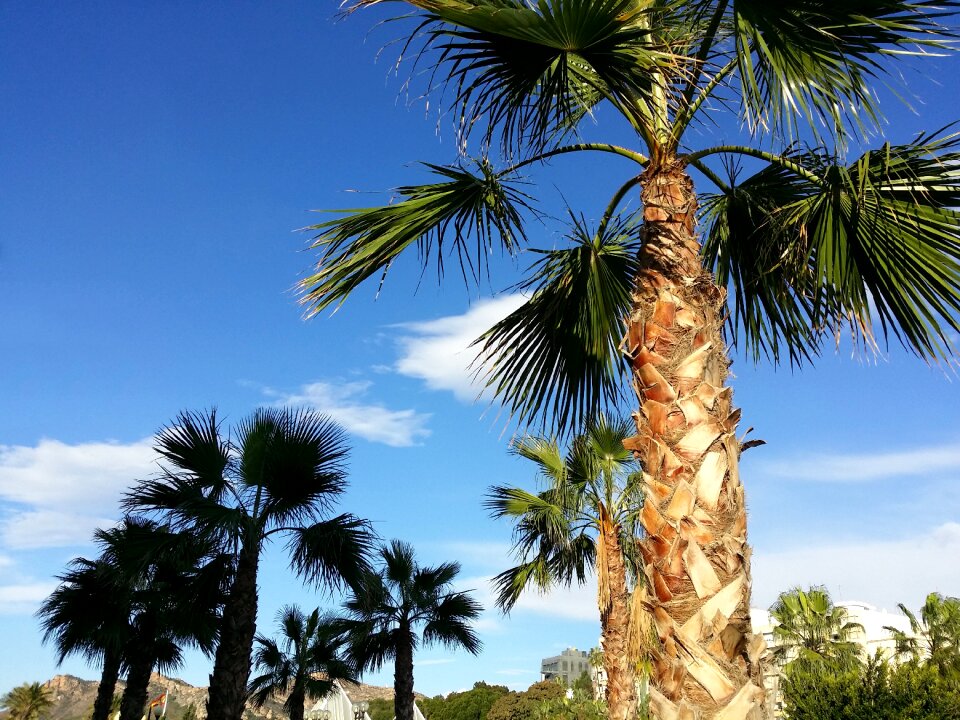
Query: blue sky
{"x":156,"y":161}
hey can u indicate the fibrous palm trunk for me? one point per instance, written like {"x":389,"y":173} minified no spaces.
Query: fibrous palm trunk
{"x":108,"y":684}
{"x":403,"y":677}
{"x":138,"y":682}
{"x":296,"y":702}
{"x":614,"y":602}
{"x":695,"y":554}
{"x":231,"y":667}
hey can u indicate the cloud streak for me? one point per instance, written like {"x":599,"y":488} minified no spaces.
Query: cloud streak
{"x":866,"y":467}
{"x":438,"y":351}
{"x":345,"y":403}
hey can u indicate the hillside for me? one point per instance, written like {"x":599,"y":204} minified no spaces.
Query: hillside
{"x":73,"y":698}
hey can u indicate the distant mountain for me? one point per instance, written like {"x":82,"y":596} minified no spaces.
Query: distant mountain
{"x":73,"y":698}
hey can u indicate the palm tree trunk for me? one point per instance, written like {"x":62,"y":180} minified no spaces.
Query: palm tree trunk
{"x":695,"y":552}
{"x":138,"y":682}
{"x":108,"y":685}
{"x":621,"y":694}
{"x":403,"y":676}
{"x":231,"y":667}
{"x":297,"y":702}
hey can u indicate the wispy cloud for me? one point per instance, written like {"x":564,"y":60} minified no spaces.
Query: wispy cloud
{"x":56,"y":494}
{"x":346,"y":403}
{"x":23,"y":599}
{"x":438,"y":351}
{"x":434,"y":661}
{"x":578,"y":602}
{"x":865,"y":466}
{"x":881,"y":572}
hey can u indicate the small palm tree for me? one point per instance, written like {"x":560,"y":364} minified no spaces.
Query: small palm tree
{"x":935,"y":636}
{"x":587,"y":516}
{"x":306,"y":663}
{"x":401,"y":607}
{"x":29,"y":701}
{"x":87,"y":615}
{"x":173,"y":585}
{"x":279,"y":477}
{"x":812,"y":631}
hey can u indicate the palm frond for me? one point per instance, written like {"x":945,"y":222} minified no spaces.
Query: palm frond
{"x":557,"y":355}
{"x":439,"y":218}
{"x":873,"y":242}
{"x":449,"y":623}
{"x":333,"y":552}
{"x":812,"y":59}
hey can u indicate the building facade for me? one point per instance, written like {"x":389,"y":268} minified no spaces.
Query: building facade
{"x":567,"y":666}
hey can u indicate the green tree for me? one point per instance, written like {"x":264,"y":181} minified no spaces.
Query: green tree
{"x":304,"y":665}
{"x":587,"y":516}
{"x":30,"y":701}
{"x":578,"y":705}
{"x":190,"y":713}
{"x":811,"y":630}
{"x":873,"y":691}
{"x":381,"y":709}
{"x":803,"y":238}
{"x":87,"y":616}
{"x":935,"y":636}
{"x":401,"y":607}
{"x":472,"y":704}
{"x":527,"y":704}
{"x":279,"y":477}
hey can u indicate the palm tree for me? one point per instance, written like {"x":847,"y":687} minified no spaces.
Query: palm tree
{"x":588,"y":515}
{"x":172,"y":584}
{"x":306,"y":665}
{"x":29,"y":701}
{"x":804,"y":241}
{"x":935,"y":636}
{"x":280,"y":477}
{"x":812,"y":631}
{"x":88,"y":615}
{"x":398,"y":608}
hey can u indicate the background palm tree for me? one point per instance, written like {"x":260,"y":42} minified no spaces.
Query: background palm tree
{"x":400,"y":607}
{"x":588,"y":516}
{"x":804,"y":241}
{"x":280,"y":477}
{"x":173,"y":584}
{"x":305,"y":664}
{"x":812,"y":631}
{"x":935,"y":635}
{"x":29,"y":701}
{"x":89,"y":615}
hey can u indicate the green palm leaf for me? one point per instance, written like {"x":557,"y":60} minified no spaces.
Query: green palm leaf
{"x":557,"y":355}
{"x":440,"y":217}
{"x":875,"y":240}
{"x":813,"y":58}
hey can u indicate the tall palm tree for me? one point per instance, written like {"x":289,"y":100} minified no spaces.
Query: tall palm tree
{"x":304,"y":665}
{"x":400,"y":607}
{"x":803,"y":240}
{"x":88,"y":615}
{"x":935,"y":635}
{"x":588,"y":515}
{"x":280,"y":477}
{"x":812,"y":631}
{"x":29,"y":701}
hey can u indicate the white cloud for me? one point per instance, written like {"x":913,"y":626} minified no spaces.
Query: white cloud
{"x":578,"y":602}
{"x":435,"y":661}
{"x":371,"y":421}
{"x":863,"y":467}
{"x":439,"y":353}
{"x":880,"y":572}
{"x":57,"y":494}
{"x":23,"y":599}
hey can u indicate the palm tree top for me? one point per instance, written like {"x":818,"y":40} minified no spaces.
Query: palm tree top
{"x":809,"y":243}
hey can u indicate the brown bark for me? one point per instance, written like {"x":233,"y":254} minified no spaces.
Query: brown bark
{"x":231,"y":667}
{"x":696,"y":558}
{"x":621,"y":694}
{"x":108,"y":685}
{"x":138,"y":681}
{"x":403,"y":676}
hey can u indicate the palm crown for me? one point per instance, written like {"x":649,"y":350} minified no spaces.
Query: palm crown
{"x":812,"y":631}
